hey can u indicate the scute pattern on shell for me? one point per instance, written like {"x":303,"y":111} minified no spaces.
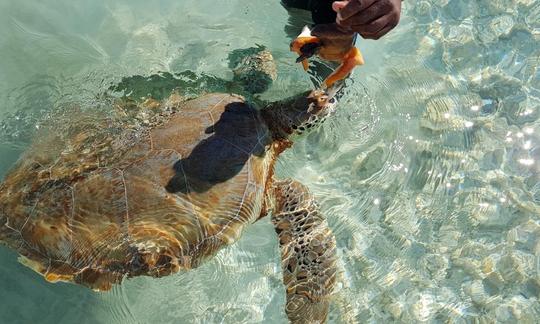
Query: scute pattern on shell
{"x":152,"y":190}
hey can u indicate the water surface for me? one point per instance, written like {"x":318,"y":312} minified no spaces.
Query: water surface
{"x":428,"y":173}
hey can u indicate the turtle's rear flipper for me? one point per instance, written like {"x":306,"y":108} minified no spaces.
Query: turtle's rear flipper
{"x":308,"y":253}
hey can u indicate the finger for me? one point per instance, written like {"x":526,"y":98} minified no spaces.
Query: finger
{"x":338,"y":5}
{"x":353,"y":7}
{"x":373,"y":26}
{"x":331,"y":32}
{"x":378,"y":34}
{"x":371,"y":13}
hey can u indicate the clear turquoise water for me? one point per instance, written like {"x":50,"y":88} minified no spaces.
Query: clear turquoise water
{"x":429,"y":173}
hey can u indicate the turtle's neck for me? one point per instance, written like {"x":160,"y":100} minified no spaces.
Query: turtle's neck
{"x":297,"y":114}
{"x":288,"y":116}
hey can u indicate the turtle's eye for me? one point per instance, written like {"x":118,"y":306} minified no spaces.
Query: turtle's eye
{"x":332,"y":100}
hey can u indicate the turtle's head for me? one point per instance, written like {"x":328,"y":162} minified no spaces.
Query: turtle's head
{"x":300,"y":113}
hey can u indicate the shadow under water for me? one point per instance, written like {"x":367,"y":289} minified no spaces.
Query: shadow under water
{"x":223,"y":155}
{"x":160,"y":85}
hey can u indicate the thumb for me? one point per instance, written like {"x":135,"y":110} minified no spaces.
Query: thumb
{"x":338,"y":5}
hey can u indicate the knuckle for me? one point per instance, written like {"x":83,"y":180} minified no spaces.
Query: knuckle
{"x":372,"y":12}
{"x":387,"y":6}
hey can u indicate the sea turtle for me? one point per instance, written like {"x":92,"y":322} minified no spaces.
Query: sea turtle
{"x":158,"y":187}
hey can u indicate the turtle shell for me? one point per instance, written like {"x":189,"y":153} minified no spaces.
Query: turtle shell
{"x":113,"y":197}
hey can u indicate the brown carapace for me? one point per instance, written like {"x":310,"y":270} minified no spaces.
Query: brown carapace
{"x":111,"y":196}
{"x":330,"y":43}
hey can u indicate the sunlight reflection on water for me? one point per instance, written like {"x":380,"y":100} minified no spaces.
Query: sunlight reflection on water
{"x":428,"y":173}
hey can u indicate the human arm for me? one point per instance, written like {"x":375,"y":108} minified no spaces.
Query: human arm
{"x":370,"y":18}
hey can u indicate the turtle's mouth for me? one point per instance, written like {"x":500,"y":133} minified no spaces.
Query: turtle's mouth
{"x":324,"y":100}
{"x":319,"y":103}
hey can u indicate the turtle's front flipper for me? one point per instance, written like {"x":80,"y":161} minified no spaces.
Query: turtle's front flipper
{"x":308,"y":252}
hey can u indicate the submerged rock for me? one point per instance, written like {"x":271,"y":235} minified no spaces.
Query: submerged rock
{"x":476,"y":291}
{"x":526,"y":237}
{"x":254,"y":68}
{"x":492,"y":83}
{"x":502,"y":25}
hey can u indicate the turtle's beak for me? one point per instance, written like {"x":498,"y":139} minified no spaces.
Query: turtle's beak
{"x":326,"y":98}
{"x":321,"y":101}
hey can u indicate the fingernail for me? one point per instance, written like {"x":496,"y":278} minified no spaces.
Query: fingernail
{"x":338,"y":5}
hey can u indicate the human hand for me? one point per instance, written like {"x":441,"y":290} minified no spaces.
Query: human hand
{"x":370,"y":18}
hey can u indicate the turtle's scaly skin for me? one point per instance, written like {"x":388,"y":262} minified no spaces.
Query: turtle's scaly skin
{"x":123,"y":196}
